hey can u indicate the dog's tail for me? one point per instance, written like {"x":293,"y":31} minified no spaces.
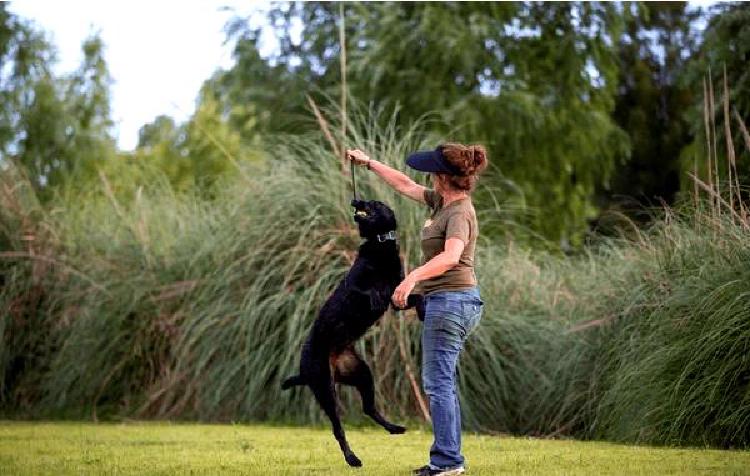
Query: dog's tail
{"x":292,"y":381}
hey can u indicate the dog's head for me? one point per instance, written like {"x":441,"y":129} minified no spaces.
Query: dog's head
{"x":373,"y":217}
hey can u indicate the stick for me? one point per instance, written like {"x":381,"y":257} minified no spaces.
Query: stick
{"x":745,"y":136}
{"x":728,"y":136}
{"x":323,"y":126}
{"x":707,"y":124}
{"x":714,"y":145}
{"x":342,"y":45}
{"x":412,"y":380}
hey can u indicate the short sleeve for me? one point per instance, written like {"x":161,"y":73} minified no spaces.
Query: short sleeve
{"x":458,"y":225}
{"x":431,"y":198}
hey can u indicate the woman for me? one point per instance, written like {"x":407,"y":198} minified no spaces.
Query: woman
{"x":446,"y":279}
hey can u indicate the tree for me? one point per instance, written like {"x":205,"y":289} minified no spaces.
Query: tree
{"x":88,"y":98}
{"x":82,"y":140}
{"x":56,"y":128}
{"x":653,"y":52}
{"x":25,"y":78}
{"x":534,"y":82}
{"x":204,"y":148}
{"x":726,"y":46}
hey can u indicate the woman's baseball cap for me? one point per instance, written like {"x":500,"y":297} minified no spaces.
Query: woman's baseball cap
{"x":431,"y":161}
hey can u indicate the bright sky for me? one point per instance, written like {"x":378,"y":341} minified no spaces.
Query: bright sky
{"x":158,"y":52}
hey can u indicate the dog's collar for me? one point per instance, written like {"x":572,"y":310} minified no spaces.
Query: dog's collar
{"x":391,"y":235}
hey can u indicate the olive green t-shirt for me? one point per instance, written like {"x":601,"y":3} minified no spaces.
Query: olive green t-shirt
{"x":456,"y":220}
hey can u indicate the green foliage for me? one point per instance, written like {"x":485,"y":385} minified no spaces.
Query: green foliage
{"x":534,"y":82}
{"x":25,"y":56}
{"x":580,"y":103}
{"x":88,"y":100}
{"x":56,"y":128}
{"x":267,"y":94}
{"x":653,"y":52}
{"x":686,"y":378}
{"x":115,"y":294}
{"x":201,"y":151}
{"x":59,"y":128}
{"x":158,"y":304}
{"x":726,"y":46}
{"x":159,"y":143}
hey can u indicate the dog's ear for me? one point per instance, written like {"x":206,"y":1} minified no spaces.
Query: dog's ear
{"x":358,"y":203}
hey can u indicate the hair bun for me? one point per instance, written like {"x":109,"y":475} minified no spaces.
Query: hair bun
{"x":470,"y":160}
{"x":479,"y":159}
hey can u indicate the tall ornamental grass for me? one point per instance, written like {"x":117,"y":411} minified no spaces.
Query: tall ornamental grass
{"x":150,"y":304}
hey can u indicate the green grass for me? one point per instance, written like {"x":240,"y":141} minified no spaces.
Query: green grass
{"x":168,"y":448}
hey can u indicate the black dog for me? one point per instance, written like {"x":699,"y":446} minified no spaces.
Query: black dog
{"x":360,"y":299}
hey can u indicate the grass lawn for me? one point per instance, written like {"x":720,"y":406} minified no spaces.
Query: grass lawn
{"x":177,"y":448}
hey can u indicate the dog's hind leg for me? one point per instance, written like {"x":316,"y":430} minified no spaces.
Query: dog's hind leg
{"x":325,"y":394}
{"x":352,"y":370}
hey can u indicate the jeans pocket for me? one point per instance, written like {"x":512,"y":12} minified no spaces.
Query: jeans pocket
{"x":444,"y":305}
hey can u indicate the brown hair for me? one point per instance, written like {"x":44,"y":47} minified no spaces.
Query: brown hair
{"x":468,"y":160}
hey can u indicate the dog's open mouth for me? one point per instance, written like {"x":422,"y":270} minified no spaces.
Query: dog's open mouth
{"x":360,"y":213}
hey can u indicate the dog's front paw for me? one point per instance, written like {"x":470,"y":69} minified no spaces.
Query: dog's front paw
{"x":352,"y":460}
{"x":396,"y":429}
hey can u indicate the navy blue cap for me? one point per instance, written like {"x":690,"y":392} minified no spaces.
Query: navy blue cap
{"x":431,"y":161}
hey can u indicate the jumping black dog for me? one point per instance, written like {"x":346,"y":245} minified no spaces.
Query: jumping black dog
{"x":361,"y":298}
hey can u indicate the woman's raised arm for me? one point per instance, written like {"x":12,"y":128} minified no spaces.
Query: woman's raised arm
{"x":398,"y":180}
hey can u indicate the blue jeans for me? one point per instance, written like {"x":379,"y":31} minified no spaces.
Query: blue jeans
{"x":450,"y":316}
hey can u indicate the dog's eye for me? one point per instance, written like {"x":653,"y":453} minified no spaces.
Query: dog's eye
{"x":361,"y":213}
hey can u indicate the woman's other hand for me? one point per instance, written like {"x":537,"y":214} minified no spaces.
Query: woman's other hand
{"x":401,"y":294}
{"x":358,"y":157}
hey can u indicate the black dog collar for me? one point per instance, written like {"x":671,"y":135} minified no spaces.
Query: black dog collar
{"x":391,"y":235}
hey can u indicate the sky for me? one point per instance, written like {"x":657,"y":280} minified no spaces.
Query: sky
{"x":158,"y":52}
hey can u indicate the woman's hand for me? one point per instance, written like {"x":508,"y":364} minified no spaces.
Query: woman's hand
{"x":401,"y":294}
{"x":358,"y":157}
